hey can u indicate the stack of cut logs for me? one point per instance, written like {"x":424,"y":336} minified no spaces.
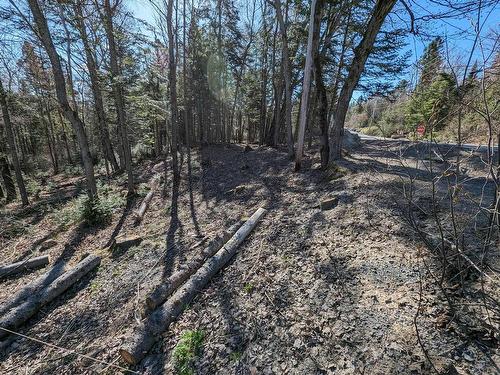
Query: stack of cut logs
{"x":169,"y":299}
{"x":42,"y":291}
{"x":161,"y":306}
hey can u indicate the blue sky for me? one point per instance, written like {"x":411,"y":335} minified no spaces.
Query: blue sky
{"x":458,"y":32}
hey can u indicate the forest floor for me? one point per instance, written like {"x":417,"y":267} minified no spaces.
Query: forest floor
{"x":309,"y":292}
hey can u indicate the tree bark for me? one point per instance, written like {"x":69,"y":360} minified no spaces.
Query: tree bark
{"x":172,"y":88}
{"x":52,"y":140}
{"x":107,"y":148}
{"x":155,"y":324}
{"x":21,"y":313}
{"x":118,"y":94}
{"x":65,"y":137}
{"x":361,"y":53}
{"x":62,"y":97}
{"x":321,"y":96}
{"x":305,"y":90}
{"x":287,"y":73}
{"x":24,"y":265}
{"x":263,"y":75}
{"x":160,"y":294}
{"x":7,"y":178}
{"x":12,"y":146}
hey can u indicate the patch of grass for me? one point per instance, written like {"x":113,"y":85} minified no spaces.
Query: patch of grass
{"x":334,"y":172}
{"x":186,"y":351}
{"x":249,"y":288}
{"x":142,"y":190}
{"x":94,"y":287}
{"x":235,"y":356}
{"x":117,"y":272}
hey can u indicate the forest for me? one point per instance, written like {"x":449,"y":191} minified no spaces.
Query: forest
{"x":249,"y":187}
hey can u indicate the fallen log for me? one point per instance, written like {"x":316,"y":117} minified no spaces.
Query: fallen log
{"x":148,"y":332}
{"x":24,"y":265}
{"x":21,"y":313}
{"x":160,"y":294}
{"x":139,"y":214}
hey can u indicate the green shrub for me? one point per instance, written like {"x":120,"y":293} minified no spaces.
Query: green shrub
{"x":186,"y":351}
{"x":33,"y":186}
{"x":93,"y":213}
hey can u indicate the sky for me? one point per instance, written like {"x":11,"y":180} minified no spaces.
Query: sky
{"x":458,"y":32}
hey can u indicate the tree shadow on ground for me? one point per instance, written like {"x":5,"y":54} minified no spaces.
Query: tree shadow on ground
{"x":191,"y":197}
{"x":118,"y":227}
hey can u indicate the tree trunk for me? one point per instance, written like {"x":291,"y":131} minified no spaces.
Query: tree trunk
{"x":278,"y":93}
{"x":21,"y":313}
{"x":287,"y":73}
{"x":172,"y":88}
{"x":160,"y":294}
{"x":340,"y":66}
{"x":12,"y":146}
{"x":65,"y":137}
{"x":321,"y":96}
{"x":361,"y":53}
{"x":148,"y":332}
{"x":118,"y":94}
{"x":60,"y":83}
{"x":263,"y":86}
{"x":49,"y":144}
{"x":305,"y":90}
{"x":107,"y":148}
{"x":68,"y":60}
{"x":52,"y":140}
{"x":24,"y":265}
{"x":7,"y":178}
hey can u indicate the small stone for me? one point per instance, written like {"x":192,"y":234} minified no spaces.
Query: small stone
{"x":467,"y":357}
{"x":328,"y":204}
{"x":297,"y":344}
{"x":127,"y":241}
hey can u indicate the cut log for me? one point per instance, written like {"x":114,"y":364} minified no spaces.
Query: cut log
{"x":21,"y":313}
{"x":24,"y":265}
{"x":139,"y":214}
{"x":160,"y":295}
{"x":148,"y":332}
